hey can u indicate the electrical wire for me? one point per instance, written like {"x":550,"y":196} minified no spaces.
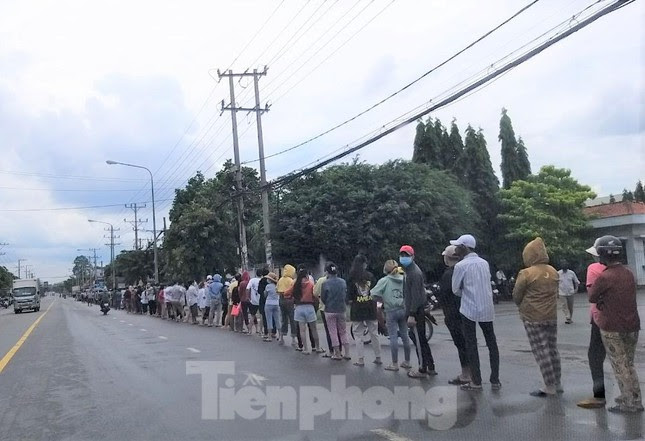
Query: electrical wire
{"x":69,"y":208}
{"x":402,"y":89}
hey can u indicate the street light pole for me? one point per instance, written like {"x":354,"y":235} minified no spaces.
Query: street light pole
{"x":154,"y":219}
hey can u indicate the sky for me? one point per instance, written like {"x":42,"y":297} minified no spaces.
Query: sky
{"x":137,"y":82}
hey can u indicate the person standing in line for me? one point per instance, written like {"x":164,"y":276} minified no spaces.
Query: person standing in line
{"x":471,"y":281}
{"x":286,"y":303}
{"x":204,"y":303}
{"x":389,"y":290}
{"x":161,"y":300}
{"x":302,"y":292}
{"x":152,"y":300}
{"x":127,"y":298}
{"x":596,"y":353}
{"x":261,"y":287}
{"x":536,"y":295}
{"x":232,"y":287}
{"x":272,"y":307}
{"x":144,"y":301}
{"x":569,"y":284}
{"x":254,"y":305}
{"x":214,"y":293}
{"x":321,"y":307}
{"x":362,"y":311}
{"x":414,"y":298}
{"x":245,"y":300}
{"x":192,"y":298}
{"x":450,"y":305}
{"x":178,"y":294}
{"x":333,"y":295}
{"x":614,"y":293}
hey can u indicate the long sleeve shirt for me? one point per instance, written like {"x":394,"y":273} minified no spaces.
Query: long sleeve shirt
{"x":471,"y":281}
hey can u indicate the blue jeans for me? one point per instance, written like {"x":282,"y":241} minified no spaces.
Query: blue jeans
{"x":396,"y":323}
{"x":272,"y":313}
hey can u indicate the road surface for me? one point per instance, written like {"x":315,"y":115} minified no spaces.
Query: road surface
{"x":80,"y":375}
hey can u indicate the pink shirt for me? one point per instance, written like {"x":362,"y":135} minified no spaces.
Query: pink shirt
{"x":593,"y":271}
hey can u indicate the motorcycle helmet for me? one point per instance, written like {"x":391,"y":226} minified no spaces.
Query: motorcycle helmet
{"x":608,"y":246}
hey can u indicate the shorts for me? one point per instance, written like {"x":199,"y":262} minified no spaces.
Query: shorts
{"x":305,"y":313}
{"x":253,"y":309}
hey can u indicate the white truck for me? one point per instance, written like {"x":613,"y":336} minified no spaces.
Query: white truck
{"x":26,"y":295}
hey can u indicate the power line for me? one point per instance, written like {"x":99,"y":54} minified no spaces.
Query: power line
{"x":87,"y":190}
{"x":52,"y":176}
{"x":69,"y":208}
{"x":402,"y":89}
{"x":510,"y":65}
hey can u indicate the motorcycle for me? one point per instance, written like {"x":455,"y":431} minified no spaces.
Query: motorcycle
{"x":4,"y":303}
{"x":105,"y":307}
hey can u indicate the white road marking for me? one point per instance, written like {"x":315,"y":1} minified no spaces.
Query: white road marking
{"x":143,"y":330}
{"x":389,"y":435}
{"x":122,"y":321}
{"x":163,"y":338}
{"x":130,"y":324}
{"x":194,"y":350}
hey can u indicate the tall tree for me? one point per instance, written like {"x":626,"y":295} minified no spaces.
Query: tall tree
{"x":523,"y":163}
{"x":612,"y":199}
{"x":480,"y":179}
{"x":550,"y":205}
{"x":639,"y":193}
{"x":510,"y":161}
{"x":456,"y":149}
{"x":427,"y":144}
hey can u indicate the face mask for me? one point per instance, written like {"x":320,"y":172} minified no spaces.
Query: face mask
{"x":405,"y":260}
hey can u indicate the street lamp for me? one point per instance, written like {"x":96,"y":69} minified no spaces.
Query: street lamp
{"x":154,"y":221}
{"x":111,"y":249}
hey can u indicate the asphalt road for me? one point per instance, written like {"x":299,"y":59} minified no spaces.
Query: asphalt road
{"x":84,"y":376}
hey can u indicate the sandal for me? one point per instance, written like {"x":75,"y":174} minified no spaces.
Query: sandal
{"x":346,"y":357}
{"x":378,"y":361}
{"x":305,"y":352}
{"x":471,"y":387}
{"x":406,"y":365}
{"x":391,"y":367}
{"x":417,"y":374}
{"x":336,"y":357}
{"x":458,"y":381}
{"x":538,"y":393}
{"x":298,"y":349}
{"x":326,"y":355}
{"x":320,"y":351}
{"x":359,"y":363}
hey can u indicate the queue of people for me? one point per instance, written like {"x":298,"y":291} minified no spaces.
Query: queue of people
{"x":276,"y":308}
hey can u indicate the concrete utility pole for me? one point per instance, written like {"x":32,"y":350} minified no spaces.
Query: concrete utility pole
{"x":135,"y":223}
{"x":20,"y":260}
{"x":265,"y":195}
{"x":238,"y":167}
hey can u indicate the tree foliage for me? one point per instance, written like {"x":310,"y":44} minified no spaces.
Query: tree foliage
{"x":6,"y":279}
{"x":515,"y":161}
{"x":639,"y":193}
{"x":351,"y":208}
{"x":549,"y":205}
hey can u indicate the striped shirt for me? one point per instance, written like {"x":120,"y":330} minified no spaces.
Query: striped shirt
{"x":471,"y":281}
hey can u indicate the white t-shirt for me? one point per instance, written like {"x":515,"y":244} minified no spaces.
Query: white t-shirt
{"x":254,"y":284}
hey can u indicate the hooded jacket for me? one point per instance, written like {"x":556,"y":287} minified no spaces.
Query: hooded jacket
{"x":215,"y":288}
{"x":390,"y":289}
{"x":536,"y":289}
{"x":287,"y":279}
{"x":244,"y":284}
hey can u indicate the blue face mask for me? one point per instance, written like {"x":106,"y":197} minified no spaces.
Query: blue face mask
{"x":405,"y":260}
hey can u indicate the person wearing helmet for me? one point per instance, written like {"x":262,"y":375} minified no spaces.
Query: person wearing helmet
{"x":596,"y":353}
{"x":614,"y":294}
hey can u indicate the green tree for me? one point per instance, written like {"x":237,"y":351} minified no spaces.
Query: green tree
{"x":628,"y":196}
{"x":351,"y":208}
{"x":549,"y":205}
{"x":639,"y":193}
{"x":6,"y":280}
{"x":523,"y":163}
{"x":455,"y":150}
{"x":612,"y":199}
{"x":480,"y":179}
{"x":82,"y":269}
{"x":427,"y":144}
{"x":509,"y":150}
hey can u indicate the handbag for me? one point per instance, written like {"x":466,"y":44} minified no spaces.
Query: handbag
{"x":235,"y":311}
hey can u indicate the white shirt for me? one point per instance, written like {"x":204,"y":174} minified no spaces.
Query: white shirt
{"x":202,"y":298}
{"x":471,"y":281}
{"x":568,"y":283}
{"x":254,"y":284}
{"x":192,"y":295}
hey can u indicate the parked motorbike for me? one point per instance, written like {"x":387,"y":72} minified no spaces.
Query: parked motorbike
{"x":4,"y":302}
{"x":105,"y":307}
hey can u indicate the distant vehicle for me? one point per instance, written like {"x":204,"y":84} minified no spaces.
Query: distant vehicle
{"x":26,"y":294}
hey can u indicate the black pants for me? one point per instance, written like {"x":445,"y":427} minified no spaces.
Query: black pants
{"x":263,"y":302}
{"x":456,"y":332}
{"x":418,"y":337}
{"x":206,"y":314}
{"x":245,"y":313}
{"x":152,"y":305}
{"x":597,"y":356}
{"x":144,"y":308}
{"x":470,"y":335}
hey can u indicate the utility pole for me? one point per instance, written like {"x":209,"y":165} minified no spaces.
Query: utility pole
{"x":112,"y":245}
{"x":2,"y":245}
{"x":238,"y":168}
{"x":135,"y":223}
{"x":20,"y":260}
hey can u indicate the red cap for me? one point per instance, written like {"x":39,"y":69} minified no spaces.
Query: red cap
{"x":407,"y":249}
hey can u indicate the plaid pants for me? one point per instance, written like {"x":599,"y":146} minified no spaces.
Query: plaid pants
{"x":543,"y":337}
{"x":621,"y":347}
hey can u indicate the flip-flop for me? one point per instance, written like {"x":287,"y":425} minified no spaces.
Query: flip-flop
{"x":326,"y":356}
{"x":336,"y":358}
{"x":346,"y":358}
{"x":358,"y":363}
{"x":377,"y":362}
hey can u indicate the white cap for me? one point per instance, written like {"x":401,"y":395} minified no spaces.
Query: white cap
{"x":449,"y":251}
{"x":465,"y":240}
{"x":592,"y":251}
{"x":209,"y":277}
